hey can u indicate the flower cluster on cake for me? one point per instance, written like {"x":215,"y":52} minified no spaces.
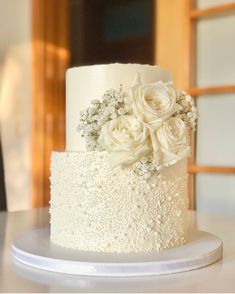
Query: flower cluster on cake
{"x":146,"y":125}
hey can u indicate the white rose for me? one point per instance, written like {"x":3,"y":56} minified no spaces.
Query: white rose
{"x":153,"y":103}
{"x":126,"y":138}
{"x":174,"y":141}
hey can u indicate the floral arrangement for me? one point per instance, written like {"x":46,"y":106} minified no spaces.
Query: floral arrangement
{"x":147,"y":125}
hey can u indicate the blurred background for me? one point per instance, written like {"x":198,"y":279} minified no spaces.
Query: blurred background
{"x":40,"y":39}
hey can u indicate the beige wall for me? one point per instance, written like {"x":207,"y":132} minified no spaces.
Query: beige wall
{"x":15,"y":100}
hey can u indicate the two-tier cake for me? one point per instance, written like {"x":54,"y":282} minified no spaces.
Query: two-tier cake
{"x":121,"y":184}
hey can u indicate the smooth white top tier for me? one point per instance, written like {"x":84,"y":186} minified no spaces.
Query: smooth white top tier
{"x":85,"y":83}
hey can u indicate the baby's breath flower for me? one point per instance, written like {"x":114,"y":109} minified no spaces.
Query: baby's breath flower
{"x":95,"y":117}
{"x":114,"y":115}
{"x":112,"y":109}
{"x":146,"y":167}
{"x":121,"y":111}
{"x":95,"y":102}
{"x":101,"y":111}
{"x":188,"y":113}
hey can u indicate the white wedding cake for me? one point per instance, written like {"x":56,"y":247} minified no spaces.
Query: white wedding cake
{"x":121,"y":184}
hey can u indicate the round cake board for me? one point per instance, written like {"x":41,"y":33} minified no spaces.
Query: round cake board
{"x":35,"y":249}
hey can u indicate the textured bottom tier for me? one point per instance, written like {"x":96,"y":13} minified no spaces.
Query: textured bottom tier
{"x":95,"y":208}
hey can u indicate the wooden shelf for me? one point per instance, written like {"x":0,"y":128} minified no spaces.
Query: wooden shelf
{"x":194,"y":91}
{"x":205,"y":12}
{"x":193,"y":169}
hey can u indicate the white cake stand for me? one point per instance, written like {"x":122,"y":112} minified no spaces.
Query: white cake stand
{"x":35,"y":249}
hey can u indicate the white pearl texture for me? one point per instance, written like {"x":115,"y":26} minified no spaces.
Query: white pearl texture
{"x":98,"y":208}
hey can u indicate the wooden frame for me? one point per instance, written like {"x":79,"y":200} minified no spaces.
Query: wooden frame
{"x":193,"y":15}
{"x":175,"y":50}
{"x":194,"y":91}
{"x":211,"y":11}
{"x":50,"y":54}
{"x":193,"y":169}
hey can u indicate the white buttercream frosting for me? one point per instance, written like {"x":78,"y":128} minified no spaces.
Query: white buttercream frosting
{"x":83,"y":84}
{"x":97,"y":208}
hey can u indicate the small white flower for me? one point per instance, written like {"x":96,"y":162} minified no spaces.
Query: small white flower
{"x":106,"y":112}
{"x":126,"y":100}
{"x":95,"y":101}
{"x":120,"y":99}
{"x":121,"y":111}
{"x":95,"y":117}
{"x":188,"y":98}
{"x":112,"y":109}
{"x":114,"y":115}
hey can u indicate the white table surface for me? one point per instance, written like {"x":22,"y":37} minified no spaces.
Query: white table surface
{"x":219,"y":277}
